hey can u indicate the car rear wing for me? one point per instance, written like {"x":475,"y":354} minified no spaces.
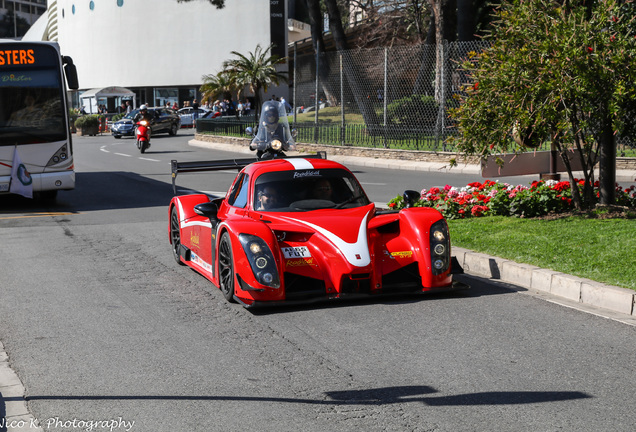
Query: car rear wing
{"x":218,"y":165}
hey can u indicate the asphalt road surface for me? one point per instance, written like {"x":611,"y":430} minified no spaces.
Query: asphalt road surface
{"x":101,"y":324}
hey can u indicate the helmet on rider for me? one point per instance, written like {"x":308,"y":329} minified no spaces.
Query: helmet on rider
{"x":270,"y":113}
{"x":143,"y":108}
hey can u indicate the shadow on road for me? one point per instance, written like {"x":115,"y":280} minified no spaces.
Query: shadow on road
{"x":376,"y":396}
{"x":98,"y":191}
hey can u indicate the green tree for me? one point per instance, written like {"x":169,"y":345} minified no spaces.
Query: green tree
{"x":556,"y":72}
{"x":256,"y":71}
{"x":217,"y":86}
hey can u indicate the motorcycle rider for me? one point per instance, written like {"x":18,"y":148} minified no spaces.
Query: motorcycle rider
{"x":271,"y":128}
{"x":143,"y":114}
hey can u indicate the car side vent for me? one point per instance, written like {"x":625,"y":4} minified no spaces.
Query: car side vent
{"x":393,"y":227}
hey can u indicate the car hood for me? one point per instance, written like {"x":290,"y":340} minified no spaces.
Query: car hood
{"x":345,"y":228}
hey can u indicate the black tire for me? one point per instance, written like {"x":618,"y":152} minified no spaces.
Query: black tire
{"x":175,"y":234}
{"x":117,"y":136}
{"x":173,"y":129}
{"x":144,"y":146}
{"x":226,"y":268}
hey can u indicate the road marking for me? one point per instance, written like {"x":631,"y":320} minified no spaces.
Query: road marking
{"x":121,"y":154}
{"x":103,"y":148}
{"x":38,"y":215}
{"x":148,"y":159}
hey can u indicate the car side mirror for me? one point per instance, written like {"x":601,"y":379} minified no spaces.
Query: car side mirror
{"x":410,"y":198}
{"x":208,"y":209}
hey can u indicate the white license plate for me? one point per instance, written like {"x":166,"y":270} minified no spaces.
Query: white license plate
{"x":4,"y":187}
{"x":296,"y":252}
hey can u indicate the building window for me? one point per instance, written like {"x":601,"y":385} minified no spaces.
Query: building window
{"x":91,"y":5}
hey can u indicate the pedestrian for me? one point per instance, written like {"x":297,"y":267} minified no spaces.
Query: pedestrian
{"x":195,"y":110}
{"x":121,"y":108}
{"x":128,"y":107}
{"x":175,"y":106}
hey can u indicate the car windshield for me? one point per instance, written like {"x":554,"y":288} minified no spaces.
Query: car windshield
{"x":132,"y":114}
{"x":306,"y":190}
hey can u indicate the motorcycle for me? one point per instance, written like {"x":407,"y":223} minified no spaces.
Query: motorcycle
{"x":273,"y":136}
{"x":142,"y":133}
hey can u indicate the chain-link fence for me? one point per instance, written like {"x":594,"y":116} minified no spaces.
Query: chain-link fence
{"x":397,"y":98}
{"x":387,"y":97}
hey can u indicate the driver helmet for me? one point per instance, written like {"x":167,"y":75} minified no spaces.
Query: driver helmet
{"x":143,"y":108}
{"x":270,"y":113}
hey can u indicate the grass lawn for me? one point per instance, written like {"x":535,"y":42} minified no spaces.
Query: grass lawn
{"x":603,"y":250}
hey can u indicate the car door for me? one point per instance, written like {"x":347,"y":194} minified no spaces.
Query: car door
{"x":162,"y":121}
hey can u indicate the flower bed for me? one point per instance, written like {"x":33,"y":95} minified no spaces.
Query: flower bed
{"x":501,"y":199}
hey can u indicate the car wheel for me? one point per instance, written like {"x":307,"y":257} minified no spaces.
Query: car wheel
{"x":175,"y":234}
{"x":173,"y":129}
{"x":226,"y":267}
{"x":117,"y":136}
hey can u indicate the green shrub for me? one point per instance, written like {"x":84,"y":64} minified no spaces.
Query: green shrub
{"x":86,"y":121}
{"x":413,"y":110}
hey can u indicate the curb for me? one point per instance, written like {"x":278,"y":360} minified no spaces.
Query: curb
{"x":240,"y":146}
{"x":570,"y":288}
{"x":12,"y":401}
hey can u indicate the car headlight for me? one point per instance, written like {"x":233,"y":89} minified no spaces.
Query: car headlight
{"x":261,"y":260}
{"x":440,"y":247}
{"x":276,"y":145}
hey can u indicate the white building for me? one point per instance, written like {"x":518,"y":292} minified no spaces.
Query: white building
{"x":160,"y":49}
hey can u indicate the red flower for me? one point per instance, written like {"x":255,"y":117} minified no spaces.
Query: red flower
{"x":590,"y":50}
{"x":391,"y":205}
{"x":476,"y":86}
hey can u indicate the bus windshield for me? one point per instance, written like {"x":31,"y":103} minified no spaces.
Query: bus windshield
{"x":31,"y":108}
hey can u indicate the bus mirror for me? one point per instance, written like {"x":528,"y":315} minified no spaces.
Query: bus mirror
{"x":71,"y":73}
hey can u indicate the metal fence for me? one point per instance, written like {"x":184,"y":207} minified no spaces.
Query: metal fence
{"x":395,"y":98}
{"x":386,"y":97}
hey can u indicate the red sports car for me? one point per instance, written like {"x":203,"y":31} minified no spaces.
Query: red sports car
{"x":302,"y":228}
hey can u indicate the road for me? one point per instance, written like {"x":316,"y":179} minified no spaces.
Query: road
{"x":101,"y":324}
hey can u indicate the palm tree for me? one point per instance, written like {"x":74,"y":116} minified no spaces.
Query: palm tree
{"x":256,"y":71}
{"x":217,"y":86}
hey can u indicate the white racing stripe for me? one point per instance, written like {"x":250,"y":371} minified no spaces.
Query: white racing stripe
{"x":356,"y":253}
{"x":300,"y":164}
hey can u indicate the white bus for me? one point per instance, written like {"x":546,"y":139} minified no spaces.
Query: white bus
{"x":34,"y":118}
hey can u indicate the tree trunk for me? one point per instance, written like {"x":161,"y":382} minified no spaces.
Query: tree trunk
{"x":351,"y":70}
{"x":436,"y":6}
{"x":465,"y":21}
{"x":607,"y":163}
